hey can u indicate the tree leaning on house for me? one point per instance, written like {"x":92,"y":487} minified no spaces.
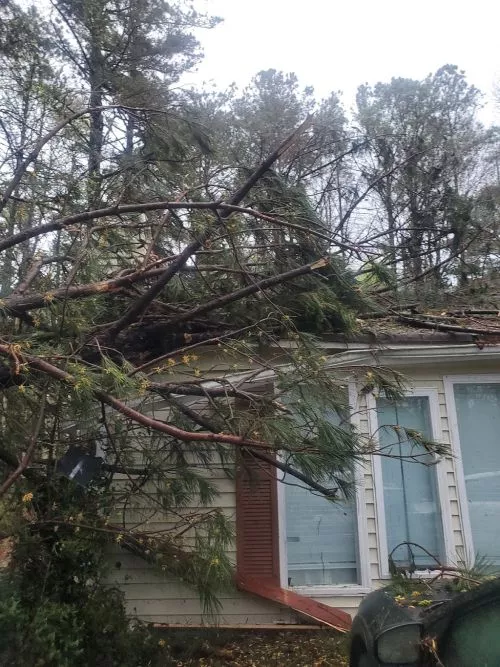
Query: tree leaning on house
{"x":120,"y":258}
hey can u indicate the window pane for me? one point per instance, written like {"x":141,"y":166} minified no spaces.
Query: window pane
{"x":321,"y":536}
{"x":478,"y":414}
{"x":412,"y":509}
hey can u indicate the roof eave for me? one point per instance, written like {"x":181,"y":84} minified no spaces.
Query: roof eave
{"x":408,"y":355}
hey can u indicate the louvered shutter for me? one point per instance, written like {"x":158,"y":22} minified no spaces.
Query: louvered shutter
{"x":257,"y":539}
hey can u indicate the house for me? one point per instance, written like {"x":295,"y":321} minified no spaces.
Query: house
{"x":298,"y":555}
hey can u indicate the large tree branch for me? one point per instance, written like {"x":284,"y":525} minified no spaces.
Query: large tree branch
{"x":247,"y":291}
{"x":145,"y":300}
{"x":18,"y":303}
{"x":9,"y":459}
{"x":50,"y":370}
{"x":33,"y":271}
{"x":174,"y":431}
{"x":21,"y":303}
{"x":117,"y":210}
{"x":261,"y":456}
{"x":88,"y":216}
{"x":442,"y":326}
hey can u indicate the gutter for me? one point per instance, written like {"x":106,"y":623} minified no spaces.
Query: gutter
{"x":412,"y":354}
{"x":316,"y":611}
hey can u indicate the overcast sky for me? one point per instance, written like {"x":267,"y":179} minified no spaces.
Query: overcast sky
{"x":339,"y":44}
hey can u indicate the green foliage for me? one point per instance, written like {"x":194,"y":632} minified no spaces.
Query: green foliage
{"x":414,"y":591}
{"x":384,"y":381}
{"x":57,"y":634}
{"x":54,"y":608}
{"x":320,"y":310}
{"x":377,"y":274}
{"x":471,"y":575}
{"x":116,"y":378}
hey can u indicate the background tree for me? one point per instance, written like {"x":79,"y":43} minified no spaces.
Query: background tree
{"x":423,"y":142}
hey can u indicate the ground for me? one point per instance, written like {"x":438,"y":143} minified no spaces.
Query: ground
{"x":304,"y":648}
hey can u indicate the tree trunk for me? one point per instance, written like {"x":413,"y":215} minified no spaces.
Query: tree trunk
{"x":96,"y":134}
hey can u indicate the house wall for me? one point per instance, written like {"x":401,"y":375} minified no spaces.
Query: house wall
{"x":154,"y":597}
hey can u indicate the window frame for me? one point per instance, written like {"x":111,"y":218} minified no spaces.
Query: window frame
{"x":442,"y":486}
{"x":363,"y":562}
{"x":469,"y":555}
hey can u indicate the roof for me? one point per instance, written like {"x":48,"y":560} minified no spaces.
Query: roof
{"x":415,"y":326}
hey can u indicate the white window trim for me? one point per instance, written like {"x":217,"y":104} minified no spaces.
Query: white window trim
{"x":469,"y":554}
{"x":362,"y":543}
{"x":449,"y":550}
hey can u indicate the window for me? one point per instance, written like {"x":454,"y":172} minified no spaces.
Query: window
{"x":411,"y":505}
{"x":319,"y":537}
{"x":477,"y":428}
